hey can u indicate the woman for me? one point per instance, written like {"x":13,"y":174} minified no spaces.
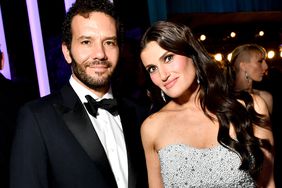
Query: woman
{"x":202,"y":137}
{"x":248,"y":62}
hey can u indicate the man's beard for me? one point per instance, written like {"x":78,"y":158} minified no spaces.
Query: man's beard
{"x":90,"y":81}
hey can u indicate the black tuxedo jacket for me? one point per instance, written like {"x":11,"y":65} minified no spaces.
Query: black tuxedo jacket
{"x":12,"y":97}
{"x":56,"y":145}
{"x":9,"y":106}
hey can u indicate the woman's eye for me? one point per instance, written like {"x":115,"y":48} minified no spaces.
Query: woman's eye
{"x":151,"y":69}
{"x":168,"y":58}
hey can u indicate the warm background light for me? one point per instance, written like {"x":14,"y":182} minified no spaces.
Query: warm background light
{"x":233,"y":34}
{"x":261,"y":33}
{"x":270,"y":54}
{"x":218,"y":57}
{"x":203,"y":37}
{"x":229,"y":56}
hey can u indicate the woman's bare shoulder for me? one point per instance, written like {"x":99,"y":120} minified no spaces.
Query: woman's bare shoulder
{"x":152,"y":127}
{"x":155,"y":120}
{"x":267,"y":97}
{"x":260,"y":105}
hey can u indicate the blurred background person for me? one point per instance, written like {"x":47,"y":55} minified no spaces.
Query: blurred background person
{"x":271,"y":83}
{"x":249,"y":65}
{"x":250,"y":72}
{"x":10,"y":101}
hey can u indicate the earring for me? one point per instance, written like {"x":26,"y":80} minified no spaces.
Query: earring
{"x":247,"y":76}
{"x":163,"y":96}
{"x":198,"y":79}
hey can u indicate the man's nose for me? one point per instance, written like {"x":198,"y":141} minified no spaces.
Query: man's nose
{"x":98,"y":51}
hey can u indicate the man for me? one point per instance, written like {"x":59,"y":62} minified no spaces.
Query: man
{"x":10,"y":101}
{"x":62,"y":140}
{"x":8,"y":109}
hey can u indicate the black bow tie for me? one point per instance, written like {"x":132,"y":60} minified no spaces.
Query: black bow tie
{"x":108,"y":104}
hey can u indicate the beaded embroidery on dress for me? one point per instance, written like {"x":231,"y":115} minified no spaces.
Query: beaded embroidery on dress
{"x":186,"y":167}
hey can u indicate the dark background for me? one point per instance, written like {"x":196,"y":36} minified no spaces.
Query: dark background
{"x":215,"y":18}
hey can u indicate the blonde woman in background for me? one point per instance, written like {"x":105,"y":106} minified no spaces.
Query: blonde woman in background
{"x":249,"y":64}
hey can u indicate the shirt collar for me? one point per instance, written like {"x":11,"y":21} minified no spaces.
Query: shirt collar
{"x":82,"y":91}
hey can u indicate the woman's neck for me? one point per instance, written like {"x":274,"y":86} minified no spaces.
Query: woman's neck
{"x":244,"y":85}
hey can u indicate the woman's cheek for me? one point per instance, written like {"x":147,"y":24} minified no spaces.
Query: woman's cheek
{"x":155,"y":79}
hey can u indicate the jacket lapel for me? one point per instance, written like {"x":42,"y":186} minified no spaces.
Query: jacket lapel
{"x":132,"y":115}
{"x":78,"y":122}
{"x":128,"y":118}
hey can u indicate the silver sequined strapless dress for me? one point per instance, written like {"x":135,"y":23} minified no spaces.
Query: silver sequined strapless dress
{"x":183,"y":166}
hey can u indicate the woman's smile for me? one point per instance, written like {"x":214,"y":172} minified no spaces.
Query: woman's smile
{"x":170,"y":83}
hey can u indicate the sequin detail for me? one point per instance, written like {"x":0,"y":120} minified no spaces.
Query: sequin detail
{"x":183,"y":166}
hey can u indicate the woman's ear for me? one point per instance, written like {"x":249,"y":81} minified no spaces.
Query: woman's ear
{"x":242,"y":66}
{"x":66,"y":53}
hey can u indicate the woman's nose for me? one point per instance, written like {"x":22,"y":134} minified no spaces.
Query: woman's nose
{"x":265,"y":66}
{"x":164,"y":74}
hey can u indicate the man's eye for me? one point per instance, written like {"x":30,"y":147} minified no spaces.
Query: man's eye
{"x":111,"y":43}
{"x":85,"y":42}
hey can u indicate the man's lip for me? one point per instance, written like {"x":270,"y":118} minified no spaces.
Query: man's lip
{"x":98,"y":68}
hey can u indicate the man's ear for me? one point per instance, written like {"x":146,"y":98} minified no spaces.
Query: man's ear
{"x":66,"y":53}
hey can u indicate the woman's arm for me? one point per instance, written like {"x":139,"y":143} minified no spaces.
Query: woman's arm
{"x":148,"y":134}
{"x":266,"y":178}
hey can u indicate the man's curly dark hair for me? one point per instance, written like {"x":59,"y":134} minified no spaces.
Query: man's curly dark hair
{"x":84,"y":8}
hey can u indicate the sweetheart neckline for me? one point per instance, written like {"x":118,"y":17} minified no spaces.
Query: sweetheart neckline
{"x":190,"y":147}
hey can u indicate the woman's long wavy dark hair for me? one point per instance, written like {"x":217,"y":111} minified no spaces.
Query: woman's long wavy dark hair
{"x":215,"y":94}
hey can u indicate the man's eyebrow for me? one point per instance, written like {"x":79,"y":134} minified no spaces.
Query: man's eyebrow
{"x":111,"y":38}
{"x":84,"y":37}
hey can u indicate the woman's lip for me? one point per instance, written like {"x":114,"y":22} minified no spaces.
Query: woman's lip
{"x":170,"y":84}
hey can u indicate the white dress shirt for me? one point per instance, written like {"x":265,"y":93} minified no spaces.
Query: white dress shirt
{"x":110,"y":133}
